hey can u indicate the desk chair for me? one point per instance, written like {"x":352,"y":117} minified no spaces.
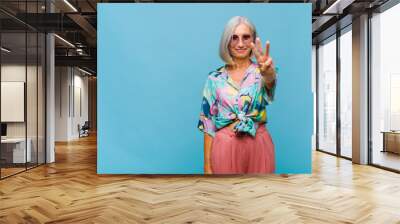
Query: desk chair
{"x":84,"y":130}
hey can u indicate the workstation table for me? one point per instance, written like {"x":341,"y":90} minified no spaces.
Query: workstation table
{"x":391,"y":141}
{"x":13,"y":150}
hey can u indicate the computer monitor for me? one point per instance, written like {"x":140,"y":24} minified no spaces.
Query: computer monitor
{"x":3,"y":129}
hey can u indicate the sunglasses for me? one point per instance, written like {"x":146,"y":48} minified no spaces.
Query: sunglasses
{"x":246,"y":39}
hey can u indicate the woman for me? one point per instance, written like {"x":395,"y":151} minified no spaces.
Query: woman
{"x":235,"y":97}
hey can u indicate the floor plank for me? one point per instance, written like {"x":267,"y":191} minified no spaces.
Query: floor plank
{"x":70,"y":191}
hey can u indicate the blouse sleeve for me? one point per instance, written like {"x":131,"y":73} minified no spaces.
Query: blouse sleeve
{"x":208,"y":109}
{"x":269,"y":93}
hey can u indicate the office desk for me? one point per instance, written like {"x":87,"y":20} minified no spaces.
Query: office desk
{"x":15,"y":148}
{"x":391,"y":141}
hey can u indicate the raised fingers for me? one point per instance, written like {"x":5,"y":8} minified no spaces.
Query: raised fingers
{"x":258,"y":45}
{"x":257,"y":54}
{"x":267,"y":45}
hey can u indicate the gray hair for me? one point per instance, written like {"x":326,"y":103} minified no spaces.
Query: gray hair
{"x":227,"y":36}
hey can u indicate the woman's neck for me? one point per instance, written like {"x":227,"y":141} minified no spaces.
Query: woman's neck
{"x":241,"y":64}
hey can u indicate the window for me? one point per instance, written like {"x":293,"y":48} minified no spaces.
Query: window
{"x":346,"y":92}
{"x":385,"y":89}
{"x":327,"y":95}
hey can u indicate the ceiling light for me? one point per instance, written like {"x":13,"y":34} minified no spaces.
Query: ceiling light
{"x":5,"y":50}
{"x":338,"y":6}
{"x":84,"y":71}
{"x":65,"y":41}
{"x":330,"y":8}
{"x":70,"y":5}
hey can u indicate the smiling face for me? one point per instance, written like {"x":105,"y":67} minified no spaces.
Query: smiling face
{"x":239,"y":45}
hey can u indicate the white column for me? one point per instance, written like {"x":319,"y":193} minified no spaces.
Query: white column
{"x":50,"y":92}
{"x":50,"y":100}
{"x":360,"y":90}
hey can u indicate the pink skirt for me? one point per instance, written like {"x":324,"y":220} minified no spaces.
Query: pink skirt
{"x":238,"y":154}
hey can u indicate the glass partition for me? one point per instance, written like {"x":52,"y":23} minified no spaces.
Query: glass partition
{"x":22,"y":78}
{"x":327,"y":95}
{"x":14,"y":153}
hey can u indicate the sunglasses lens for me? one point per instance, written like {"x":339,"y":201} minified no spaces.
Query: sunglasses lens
{"x":246,"y":38}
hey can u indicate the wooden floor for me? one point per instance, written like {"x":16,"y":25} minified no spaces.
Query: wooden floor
{"x":70,"y":191}
{"x":5,"y":172}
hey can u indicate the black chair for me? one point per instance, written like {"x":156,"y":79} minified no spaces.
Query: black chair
{"x":84,"y":130}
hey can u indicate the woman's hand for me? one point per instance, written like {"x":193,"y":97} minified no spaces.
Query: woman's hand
{"x":264,"y":60}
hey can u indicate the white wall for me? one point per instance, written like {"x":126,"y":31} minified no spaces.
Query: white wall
{"x":71,"y":94}
{"x":62,"y":81}
{"x":15,"y":72}
{"x":33,"y":127}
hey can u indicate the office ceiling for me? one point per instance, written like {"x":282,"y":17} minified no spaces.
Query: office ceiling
{"x":76,"y":22}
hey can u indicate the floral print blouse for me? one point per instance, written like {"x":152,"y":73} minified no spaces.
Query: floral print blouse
{"x":224,"y":101}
